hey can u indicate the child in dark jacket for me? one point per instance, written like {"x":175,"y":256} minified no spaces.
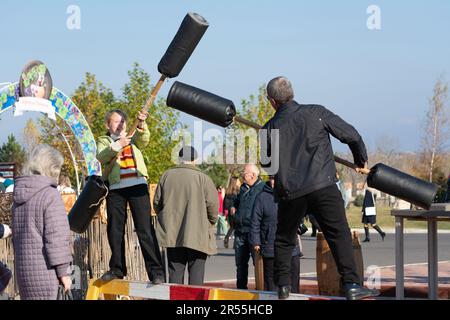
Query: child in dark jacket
{"x":5,"y":273}
{"x":262,"y":237}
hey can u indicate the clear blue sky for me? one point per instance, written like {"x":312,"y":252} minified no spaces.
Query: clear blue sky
{"x":379,"y":81}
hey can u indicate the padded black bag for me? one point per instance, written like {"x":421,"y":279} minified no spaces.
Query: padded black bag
{"x":201,"y":104}
{"x":401,"y":185}
{"x":87,"y":204}
{"x":183,"y":44}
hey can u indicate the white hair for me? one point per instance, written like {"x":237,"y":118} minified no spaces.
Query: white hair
{"x":253,"y":168}
{"x":44,"y":160}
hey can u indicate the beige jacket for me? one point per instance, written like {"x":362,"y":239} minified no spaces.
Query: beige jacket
{"x":187,"y":205}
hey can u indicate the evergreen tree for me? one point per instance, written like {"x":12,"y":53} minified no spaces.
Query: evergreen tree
{"x":12,"y":151}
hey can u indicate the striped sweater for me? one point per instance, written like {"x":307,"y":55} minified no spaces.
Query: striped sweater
{"x":127,"y":163}
{"x":128,"y":170}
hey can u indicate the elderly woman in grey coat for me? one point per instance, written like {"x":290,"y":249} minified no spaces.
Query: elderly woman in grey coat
{"x":41,"y":234}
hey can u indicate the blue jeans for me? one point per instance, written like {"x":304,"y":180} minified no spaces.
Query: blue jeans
{"x":242,"y":253}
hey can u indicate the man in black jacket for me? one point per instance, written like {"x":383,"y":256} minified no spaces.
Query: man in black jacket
{"x":306,"y":179}
{"x":243,"y":207}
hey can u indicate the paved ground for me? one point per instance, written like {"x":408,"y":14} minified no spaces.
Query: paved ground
{"x":376,"y":252}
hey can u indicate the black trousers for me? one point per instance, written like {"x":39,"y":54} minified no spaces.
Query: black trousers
{"x":314,"y":224}
{"x":178,"y":258}
{"x":328,"y":208}
{"x":139,"y":200}
{"x":269,"y":283}
{"x":242,"y":254}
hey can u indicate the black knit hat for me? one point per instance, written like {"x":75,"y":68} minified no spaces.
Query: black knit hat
{"x":188,"y":153}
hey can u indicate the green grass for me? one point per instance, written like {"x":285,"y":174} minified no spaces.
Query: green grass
{"x":385,"y":220}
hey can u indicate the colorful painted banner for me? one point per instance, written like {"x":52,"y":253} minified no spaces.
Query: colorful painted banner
{"x":69,"y":112}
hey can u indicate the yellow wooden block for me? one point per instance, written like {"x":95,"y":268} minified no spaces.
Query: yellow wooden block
{"x":93,"y":291}
{"x":109,"y":289}
{"x":220,"y":294}
{"x":114,"y":287}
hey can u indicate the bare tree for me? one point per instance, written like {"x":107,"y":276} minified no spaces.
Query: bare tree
{"x":436,"y":127}
{"x":386,"y":151}
{"x":31,"y":135}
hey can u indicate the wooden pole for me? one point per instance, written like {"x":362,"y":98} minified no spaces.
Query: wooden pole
{"x":337,"y":159}
{"x":132,"y":131}
{"x":148,"y":103}
{"x":247,"y":122}
{"x":259,"y":271}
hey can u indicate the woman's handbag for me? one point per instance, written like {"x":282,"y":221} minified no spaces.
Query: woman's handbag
{"x":63,"y":295}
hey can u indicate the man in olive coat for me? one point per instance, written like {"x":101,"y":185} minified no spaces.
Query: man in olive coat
{"x":187,"y":206}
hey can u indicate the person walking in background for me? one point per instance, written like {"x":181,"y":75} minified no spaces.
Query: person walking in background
{"x":127,"y":178}
{"x":262,"y":237}
{"x":447,"y":195}
{"x":41,"y":236}
{"x":222,"y":228}
{"x":341,"y":187}
{"x":231,"y":194}
{"x":243,"y":207}
{"x":187,"y":206}
{"x":369,"y":216}
{"x":65,"y":186}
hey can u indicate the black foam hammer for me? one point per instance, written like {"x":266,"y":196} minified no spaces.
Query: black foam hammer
{"x":222,"y":112}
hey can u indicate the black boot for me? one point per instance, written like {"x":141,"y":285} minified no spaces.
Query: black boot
{"x":283,"y":292}
{"x":111,"y":275}
{"x":382,"y":234}
{"x":354,"y":291}
{"x":366,"y":231}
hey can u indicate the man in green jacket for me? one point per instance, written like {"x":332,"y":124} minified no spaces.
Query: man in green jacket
{"x":127,"y":177}
{"x":187,"y":206}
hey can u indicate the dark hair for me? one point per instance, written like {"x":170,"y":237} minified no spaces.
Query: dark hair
{"x":233,"y":186}
{"x":188,"y":153}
